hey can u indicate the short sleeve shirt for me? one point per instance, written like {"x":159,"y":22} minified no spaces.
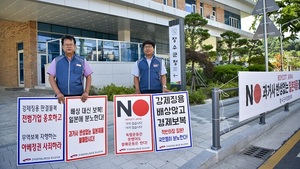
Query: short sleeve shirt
{"x":136,"y":72}
{"x":87,"y":68}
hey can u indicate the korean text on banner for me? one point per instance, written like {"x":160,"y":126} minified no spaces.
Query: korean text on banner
{"x":133,"y":124}
{"x":260,"y":92}
{"x":86,"y":127}
{"x":40,"y":130}
{"x":172,"y":121}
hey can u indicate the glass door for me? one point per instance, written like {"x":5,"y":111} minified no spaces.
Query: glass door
{"x":42,"y":60}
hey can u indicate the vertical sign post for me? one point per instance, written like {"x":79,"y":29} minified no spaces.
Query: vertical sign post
{"x":266,"y":27}
{"x":177,"y":54}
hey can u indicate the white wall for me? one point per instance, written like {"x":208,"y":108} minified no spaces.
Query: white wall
{"x":118,"y":73}
{"x":105,"y":73}
{"x":156,"y":13}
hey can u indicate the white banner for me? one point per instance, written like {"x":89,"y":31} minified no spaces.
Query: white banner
{"x":260,"y":92}
{"x":171,"y":112}
{"x":86,"y":127}
{"x":133,"y":124}
{"x":175,"y":53}
{"x":40,"y":130}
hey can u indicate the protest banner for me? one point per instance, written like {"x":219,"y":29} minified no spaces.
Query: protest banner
{"x":172,"y":125}
{"x":86,"y":127}
{"x":133,"y":124}
{"x":40,"y":130}
{"x":260,"y":92}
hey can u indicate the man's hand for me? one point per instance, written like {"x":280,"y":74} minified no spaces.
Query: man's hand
{"x":84,"y":96}
{"x":165,"y":90}
{"x":60,"y":98}
{"x":137,"y":92}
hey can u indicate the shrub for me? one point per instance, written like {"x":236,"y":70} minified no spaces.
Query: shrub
{"x":208,"y":91}
{"x":196,"y":97}
{"x":93,"y":90}
{"x":260,"y":68}
{"x":229,"y":94}
{"x":112,"y":89}
{"x":225,"y":73}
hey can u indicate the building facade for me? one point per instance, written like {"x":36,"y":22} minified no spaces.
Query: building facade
{"x":109,"y":33}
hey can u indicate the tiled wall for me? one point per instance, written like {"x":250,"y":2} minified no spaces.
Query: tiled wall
{"x":12,"y":33}
{"x":180,"y":3}
{"x":207,"y":8}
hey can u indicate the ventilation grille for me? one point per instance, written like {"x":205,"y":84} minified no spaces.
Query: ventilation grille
{"x":258,"y":152}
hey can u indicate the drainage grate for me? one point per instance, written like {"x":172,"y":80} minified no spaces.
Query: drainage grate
{"x":258,"y":152}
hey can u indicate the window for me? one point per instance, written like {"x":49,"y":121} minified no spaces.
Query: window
{"x":233,"y":22}
{"x":86,"y":48}
{"x":20,"y":64}
{"x":214,"y":11}
{"x":62,"y":30}
{"x":201,"y":9}
{"x":59,"y":29}
{"x":90,"y":48}
{"x":44,"y":27}
{"x":74,"y":31}
{"x":87,"y":33}
{"x":174,"y":4}
{"x":190,"y":6}
{"x":129,"y":51}
{"x":20,"y":46}
{"x":232,"y":19}
{"x":165,"y":2}
{"x":194,"y":8}
{"x":111,"y":50}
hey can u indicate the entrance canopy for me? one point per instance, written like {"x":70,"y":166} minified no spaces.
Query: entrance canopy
{"x":72,"y":16}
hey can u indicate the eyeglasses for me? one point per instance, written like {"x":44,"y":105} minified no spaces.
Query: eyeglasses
{"x":68,"y":45}
{"x":148,"y":46}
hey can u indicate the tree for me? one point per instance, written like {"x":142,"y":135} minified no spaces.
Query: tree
{"x":277,"y":62}
{"x":292,"y":60}
{"x":289,"y":10}
{"x":292,"y":45}
{"x":258,"y":60}
{"x":231,"y":44}
{"x":196,"y":50}
{"x":287,"y":17}
{"x":255,"y":48}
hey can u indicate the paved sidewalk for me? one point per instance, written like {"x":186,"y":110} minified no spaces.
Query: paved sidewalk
{"x":199,"y":155}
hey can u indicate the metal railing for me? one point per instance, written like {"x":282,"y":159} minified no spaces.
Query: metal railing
{"x":216,"y":119}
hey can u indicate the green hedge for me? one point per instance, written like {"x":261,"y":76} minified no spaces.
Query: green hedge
{"x":225,"y":73}
{"x":111,"y":90}
{"x":197,"y":97}
{"x":260,"y":68}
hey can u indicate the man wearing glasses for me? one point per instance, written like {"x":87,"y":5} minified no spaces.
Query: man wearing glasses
{"x":149,"y":72}
{"x":67,"y":72}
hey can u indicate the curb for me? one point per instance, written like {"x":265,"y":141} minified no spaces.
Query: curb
{"x":237,"y":142}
